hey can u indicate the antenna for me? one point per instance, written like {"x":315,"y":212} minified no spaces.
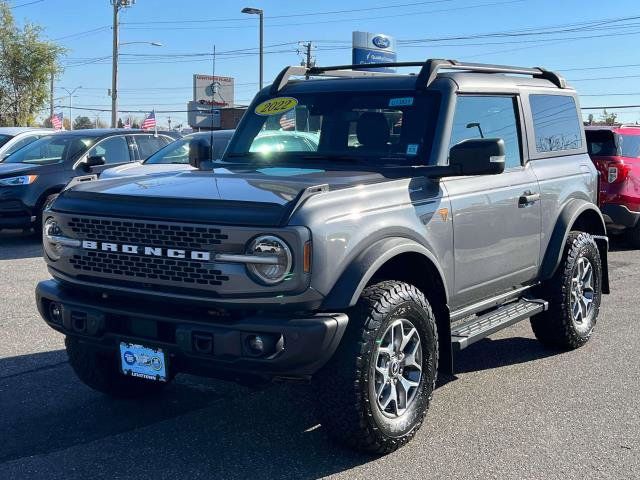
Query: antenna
{"x":213,"y":97}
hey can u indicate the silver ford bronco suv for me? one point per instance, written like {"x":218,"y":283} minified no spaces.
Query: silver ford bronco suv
{"x":361,"y":229}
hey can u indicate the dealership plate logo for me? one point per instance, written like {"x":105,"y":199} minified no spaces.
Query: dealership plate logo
{"x":381,"y":42}
{"x":129,"y":357}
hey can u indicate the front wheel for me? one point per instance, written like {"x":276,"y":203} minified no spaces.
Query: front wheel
{"x":574,"y":295}
{"x":374,"y":393}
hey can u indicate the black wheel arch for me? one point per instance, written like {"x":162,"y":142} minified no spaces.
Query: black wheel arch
{"x":579,"y":215}
{"x":402,"y":259}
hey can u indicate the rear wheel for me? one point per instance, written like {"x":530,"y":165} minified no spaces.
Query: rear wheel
{"x":574,"y":295}
{"x":374,"y":393}
{"x":98,"y":369}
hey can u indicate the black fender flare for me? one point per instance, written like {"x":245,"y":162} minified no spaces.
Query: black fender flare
{"x":356,"y":276}
{"x":567,"y":218}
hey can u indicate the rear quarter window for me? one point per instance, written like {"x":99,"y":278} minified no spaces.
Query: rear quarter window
{"x":630,"y":145}
{"x":556,"y":124}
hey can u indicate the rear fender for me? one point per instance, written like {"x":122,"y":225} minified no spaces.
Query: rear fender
{"x":584,"y":216}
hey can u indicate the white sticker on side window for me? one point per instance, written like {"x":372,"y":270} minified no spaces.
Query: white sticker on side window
{"x":401,"y":102}
{"x":412,"y":149}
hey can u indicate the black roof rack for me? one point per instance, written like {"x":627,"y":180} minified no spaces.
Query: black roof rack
{"x":428,"y":71}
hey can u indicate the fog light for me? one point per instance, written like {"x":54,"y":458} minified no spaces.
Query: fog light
{"x":55,"y":312}
{"x":256,"y":344}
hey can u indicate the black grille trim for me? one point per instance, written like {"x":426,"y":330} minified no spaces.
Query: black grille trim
{"x":151,"y":268}
{"x":152,"y":234}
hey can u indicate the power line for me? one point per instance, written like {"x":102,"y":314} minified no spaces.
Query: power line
{"x":340,"y":20}
{"x":78,"y":34}
{"x":331,"y":12}
{"x":26,"y":4}
{"x":611,"y":107}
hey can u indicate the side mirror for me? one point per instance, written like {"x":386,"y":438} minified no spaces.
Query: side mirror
{"x":199,"y":152}
{"x":478,"y":156}
{"x":93,"y":161}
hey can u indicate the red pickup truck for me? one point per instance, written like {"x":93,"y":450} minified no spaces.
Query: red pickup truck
{"x":616,"y":153}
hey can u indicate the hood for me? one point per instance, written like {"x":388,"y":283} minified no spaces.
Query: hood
{"x":264,"y":197}
{"x":138,"y":168}
{"x":15,"y":169}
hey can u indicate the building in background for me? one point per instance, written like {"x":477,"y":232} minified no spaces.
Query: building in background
{"x":373,"y":48}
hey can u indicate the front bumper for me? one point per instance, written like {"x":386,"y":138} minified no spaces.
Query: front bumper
{"x":617,"y":215}
{"x":201,"y":342}
{"x":14,"y":214}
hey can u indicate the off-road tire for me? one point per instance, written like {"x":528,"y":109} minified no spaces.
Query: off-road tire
{"x":347,"y":406}
{"x":555,"y":327}
{"x":99,"y":370}
{"x":633,"y":236}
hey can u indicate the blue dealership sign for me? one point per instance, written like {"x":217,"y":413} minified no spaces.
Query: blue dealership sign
{"x":373,"y":48}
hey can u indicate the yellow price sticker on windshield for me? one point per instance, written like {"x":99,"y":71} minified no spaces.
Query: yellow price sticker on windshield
{"x":275,"y":106}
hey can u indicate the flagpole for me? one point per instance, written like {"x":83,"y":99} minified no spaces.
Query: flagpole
{"x":155,"y":127}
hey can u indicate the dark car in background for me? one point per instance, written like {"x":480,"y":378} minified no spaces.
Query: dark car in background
{"x":174,"y":156}
{"x":615,"y":150}
{"x":41,"y":169}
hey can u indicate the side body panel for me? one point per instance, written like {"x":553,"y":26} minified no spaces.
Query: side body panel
{"x":346,"y":222}
{"x":496,"y":240}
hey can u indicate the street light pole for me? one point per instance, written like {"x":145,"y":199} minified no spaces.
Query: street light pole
{"x":70,"y":93}
{"x":114,"y":64}
{"x":260,"y":13}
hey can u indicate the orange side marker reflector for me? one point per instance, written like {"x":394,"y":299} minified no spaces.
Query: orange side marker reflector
{"x":306,"y":264}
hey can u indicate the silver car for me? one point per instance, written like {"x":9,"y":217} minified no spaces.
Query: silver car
{"x":14,"y":138}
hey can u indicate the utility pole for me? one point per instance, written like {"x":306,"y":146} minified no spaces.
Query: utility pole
{"x":308,"y":60}
{"x":51,"y":93}
{"x":117,"y":5}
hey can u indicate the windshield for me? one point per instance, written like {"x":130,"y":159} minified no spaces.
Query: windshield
{"x":395,"y":127}
{"x":175,"y":152}
{"x":52,"y":149}
{"x":4,"y":139}
{"x":601,"y":143}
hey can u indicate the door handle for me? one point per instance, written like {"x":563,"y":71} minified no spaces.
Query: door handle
{"x":528,"y":198}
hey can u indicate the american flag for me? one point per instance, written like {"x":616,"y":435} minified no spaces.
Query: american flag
{"x":149,"y":121}
{"x":288,"y":120}
{"x":128,"y":124}
{"x":56,"y":121}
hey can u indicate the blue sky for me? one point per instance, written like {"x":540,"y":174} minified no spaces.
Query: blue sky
{"x":193,"y":27}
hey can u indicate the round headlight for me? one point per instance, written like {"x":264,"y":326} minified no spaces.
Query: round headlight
{"x":49,"y":230}
{"x":273,"y":259}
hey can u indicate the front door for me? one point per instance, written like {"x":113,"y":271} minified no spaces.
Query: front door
{"x":496,"y":218}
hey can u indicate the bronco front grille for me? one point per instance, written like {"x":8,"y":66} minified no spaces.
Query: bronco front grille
{"x":152,"y":234}
{"x":165,"y":269}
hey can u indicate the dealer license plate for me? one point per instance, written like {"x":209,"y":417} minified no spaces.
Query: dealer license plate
{"x":143,"y":362}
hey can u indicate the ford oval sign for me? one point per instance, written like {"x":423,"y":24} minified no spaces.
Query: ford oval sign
{"x":381,"y":42}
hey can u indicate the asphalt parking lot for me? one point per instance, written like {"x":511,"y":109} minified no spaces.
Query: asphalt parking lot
{"x":515,"y":410}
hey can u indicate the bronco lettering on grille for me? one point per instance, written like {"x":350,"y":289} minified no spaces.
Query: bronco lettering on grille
{"x":149,"y":251}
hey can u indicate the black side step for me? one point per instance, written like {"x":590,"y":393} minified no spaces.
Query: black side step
{"x":482,"y":326}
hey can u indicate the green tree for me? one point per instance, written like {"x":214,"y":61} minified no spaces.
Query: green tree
{"x":82,"y":122}
{"x":26,"y":65}
{"x":608,"y":118}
